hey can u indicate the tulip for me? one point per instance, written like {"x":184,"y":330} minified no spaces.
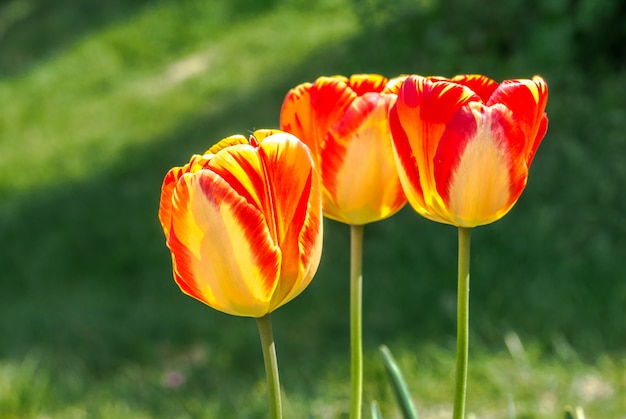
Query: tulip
{"x":243,"y":223}
{"x":463,"y":148}
{"x":464,"y":145}
{"x":345,"y":123}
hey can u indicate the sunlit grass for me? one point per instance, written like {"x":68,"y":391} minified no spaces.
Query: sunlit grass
{"x":138,"y":79}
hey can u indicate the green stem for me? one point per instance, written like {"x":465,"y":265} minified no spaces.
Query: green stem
{"x":356,"y":322}
{"x":271,"y":365}
{"x":462,"y":340}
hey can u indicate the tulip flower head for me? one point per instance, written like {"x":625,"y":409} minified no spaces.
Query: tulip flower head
{"x":344,"y":122}
{"x":463,"y":146}
{"x":243,"y":223}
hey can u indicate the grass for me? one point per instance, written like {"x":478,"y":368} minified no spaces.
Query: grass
{"x":99,"y":100}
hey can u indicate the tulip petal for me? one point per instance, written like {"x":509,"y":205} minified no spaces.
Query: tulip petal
{"x":408,"y":172}
{"x":227,"y":142}
{"x":261,"y":134}
{"x":221,"y":245}
{"x":483,"y":86}
{"x":527,"y":100}
{"x":394,"y":84}
{"x":358,"y":168}
{"x":309,"y":110}
{"x":169,"y":183}
{"x":165,"y":205}
{"x":533,"y":144}
{"x":480,"y":169}
{"x":417,"y":122}
{"x":296,"y":114}
{"x":239,"y":166}
{"x":293,"y":185}
{"x":365,"y":83}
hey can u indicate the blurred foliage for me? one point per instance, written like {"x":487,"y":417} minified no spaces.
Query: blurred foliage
{"x":589,"y":33}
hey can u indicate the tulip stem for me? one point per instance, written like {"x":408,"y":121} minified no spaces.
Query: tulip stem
{"x":356,"y":321}
{"x":462,"y":340}
{"x":271,"y":365}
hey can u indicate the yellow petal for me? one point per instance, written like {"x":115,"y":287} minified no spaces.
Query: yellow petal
{"x":359,"y":174}
{"x":293,"y":184}
{"x":221,"y":245}
{"x":418,"y":120}
{"x":480,"y":165}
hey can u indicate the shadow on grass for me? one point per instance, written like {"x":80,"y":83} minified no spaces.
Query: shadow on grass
{"x":88,"y":277}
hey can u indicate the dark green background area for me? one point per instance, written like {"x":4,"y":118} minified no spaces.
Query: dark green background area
{"x":85,"y":278}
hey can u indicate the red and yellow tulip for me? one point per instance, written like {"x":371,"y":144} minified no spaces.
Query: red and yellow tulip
{"x":243,"y":223}
{"x":344,"y":122}
{"x":463,"y":146}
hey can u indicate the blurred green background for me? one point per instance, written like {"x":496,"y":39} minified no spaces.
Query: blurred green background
{"x":100,"y":98}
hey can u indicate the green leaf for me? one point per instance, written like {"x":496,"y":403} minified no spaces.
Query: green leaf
{"x":511,"y":408}
{"x":398,"y":384}
{"x":376,"y":411}
{"x":571,"y":413}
